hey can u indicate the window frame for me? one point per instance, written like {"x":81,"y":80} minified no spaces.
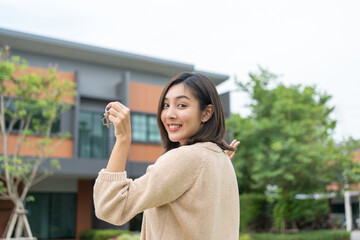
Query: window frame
{"x":56,"y":124}
{"x":147,"y":141}
{"x":93,"y":123}
{"x":49,"y":206}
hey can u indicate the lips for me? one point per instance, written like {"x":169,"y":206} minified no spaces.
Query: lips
{"x":174,"y":127}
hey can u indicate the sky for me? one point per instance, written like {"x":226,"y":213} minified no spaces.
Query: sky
{"x":308,"y":42}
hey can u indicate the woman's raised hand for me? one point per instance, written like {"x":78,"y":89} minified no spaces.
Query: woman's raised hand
{"x":119,"y":115}
{"x":234,"y":144}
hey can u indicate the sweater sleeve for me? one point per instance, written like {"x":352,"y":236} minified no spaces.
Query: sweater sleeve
{"x":118,"y":199}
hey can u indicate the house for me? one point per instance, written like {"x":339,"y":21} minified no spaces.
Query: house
{"x":63,"y":206}
{"x":338,"y":204}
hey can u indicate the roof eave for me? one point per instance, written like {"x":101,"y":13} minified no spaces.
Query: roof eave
{"x":65,"y":49}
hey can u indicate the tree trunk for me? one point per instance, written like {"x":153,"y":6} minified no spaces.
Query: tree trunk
{"x":22,"y":227}
{"x":283,"y":226}
{"x":19,"y":227}
{"x":12,"y":216}
{"x":294,"y":226}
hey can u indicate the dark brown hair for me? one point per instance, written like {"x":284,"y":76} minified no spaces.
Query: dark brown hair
{"x":205,"y":92}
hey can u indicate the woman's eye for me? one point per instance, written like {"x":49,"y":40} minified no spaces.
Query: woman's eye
{"x":165,"y":105}
{"x":181,"y":105}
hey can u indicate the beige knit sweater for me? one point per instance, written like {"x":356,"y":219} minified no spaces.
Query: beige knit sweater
{"x":190,"y":193}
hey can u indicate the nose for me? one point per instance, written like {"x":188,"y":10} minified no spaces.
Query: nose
{"x":170,"y":113}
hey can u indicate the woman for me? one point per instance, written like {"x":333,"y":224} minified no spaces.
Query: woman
{"x":191,"y":191}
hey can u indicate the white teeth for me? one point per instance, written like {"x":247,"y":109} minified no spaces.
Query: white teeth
{"x":174,"y":126}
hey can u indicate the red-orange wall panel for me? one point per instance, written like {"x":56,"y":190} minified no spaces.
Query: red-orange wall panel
{"x":62,"y":148}
{"x":145,"y":153}
{"x":144,"y":97}
{"x":43,"y":72}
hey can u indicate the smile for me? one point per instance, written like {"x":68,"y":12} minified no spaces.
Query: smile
{"x":174,"y":127}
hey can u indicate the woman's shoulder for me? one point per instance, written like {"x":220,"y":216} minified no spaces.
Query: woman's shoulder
{"x":195,"y":150}
{"x":194,"y":157}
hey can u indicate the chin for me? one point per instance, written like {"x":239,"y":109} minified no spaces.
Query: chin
{"x":173,"y":140}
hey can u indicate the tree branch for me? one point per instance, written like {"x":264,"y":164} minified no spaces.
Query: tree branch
{"x":42,"y":157}
{"x":12,"y":123}
{"x":32,"y":176}
{"x":22,"y":135}
{"x":39,"y":178}
{"x":5,"y":143}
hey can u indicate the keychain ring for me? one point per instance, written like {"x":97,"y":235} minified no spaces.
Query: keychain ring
{"x":105,"y":120}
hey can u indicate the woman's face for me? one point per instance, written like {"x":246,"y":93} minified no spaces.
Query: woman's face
{"x":181,"y":114}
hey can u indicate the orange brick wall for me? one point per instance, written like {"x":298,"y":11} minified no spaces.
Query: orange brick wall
{"x":62,"y":148}
{"x":145,"y":152}
{"x":144,"y":97}
{"x":43,"y":72}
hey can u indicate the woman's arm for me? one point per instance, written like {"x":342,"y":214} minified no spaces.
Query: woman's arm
{"x":120,"y":117}
{"x":118,"y":199}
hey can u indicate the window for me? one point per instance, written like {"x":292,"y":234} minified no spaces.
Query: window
{"x":144,"y":128}
{"x":52,"y":215}
{"x":93,"y":136}
{"x":37,"y":120}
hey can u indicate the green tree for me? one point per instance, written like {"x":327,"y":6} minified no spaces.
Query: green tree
{"x":286,"y":143}
{"x":346,"y":169}
{"x":347,"y":172}
{"x":30,"y":103}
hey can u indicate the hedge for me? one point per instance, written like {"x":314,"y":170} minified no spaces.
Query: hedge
{"x":127,"y":236}
{"x":103,"y":234}
{"x":309,"y":235}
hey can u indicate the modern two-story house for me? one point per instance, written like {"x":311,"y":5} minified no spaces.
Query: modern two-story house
{"x":63,"y":204}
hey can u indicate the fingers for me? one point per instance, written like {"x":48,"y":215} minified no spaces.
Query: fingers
{"x":119,"y":115}
{"x":234,"y":144}
{"x":117,"y":106}
{"x":117,"y":110}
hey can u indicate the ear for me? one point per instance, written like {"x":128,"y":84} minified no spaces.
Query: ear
{"x":207,"y":113}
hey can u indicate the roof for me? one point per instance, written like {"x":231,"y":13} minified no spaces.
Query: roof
{"x":77,"y":51}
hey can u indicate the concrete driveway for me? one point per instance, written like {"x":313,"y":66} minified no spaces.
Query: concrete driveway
{"x":355,"y":235}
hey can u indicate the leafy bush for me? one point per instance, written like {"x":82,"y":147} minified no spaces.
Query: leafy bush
{"x":309,"y":212}
{"x":258,"y":213}
{"x":103,"y":234}
{"x":309,"y":235}
{"x":306,"y":213}
{"x":245,"y":237}
{"x":127,"y":236}
{"x":255,"y":212}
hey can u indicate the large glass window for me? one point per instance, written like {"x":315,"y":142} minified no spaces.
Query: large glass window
{"x":52,"y":215}
{"x":93,"y":136}
{"x":37,"y":120}
{"x":144,"y":128}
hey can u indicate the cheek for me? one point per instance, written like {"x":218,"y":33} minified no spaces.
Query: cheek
{"x":162,"y":117}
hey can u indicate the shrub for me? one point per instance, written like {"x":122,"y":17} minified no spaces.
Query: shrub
{"x":254,"y":212}
{"x":306,"y":213}
{"x":102,"y":234}
{"x":127,"y":236}
{"x":309,"y":235}
{"x":245,"y":237}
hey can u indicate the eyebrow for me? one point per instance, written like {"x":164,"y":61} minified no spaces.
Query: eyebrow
{"x":179,"y":97}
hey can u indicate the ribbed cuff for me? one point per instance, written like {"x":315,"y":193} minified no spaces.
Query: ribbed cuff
{"x":112,"y":176}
